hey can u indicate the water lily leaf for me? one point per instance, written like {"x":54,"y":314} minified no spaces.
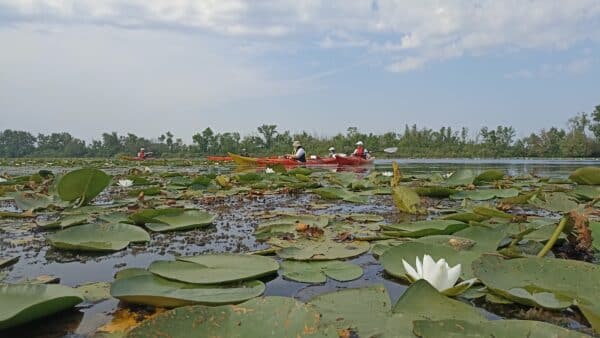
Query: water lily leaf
{"x":436,"y":192}
{"x":546,"y":282}
{"x":319,"y":250}
{"x":215,"y":268}
{"x":64,"y":222}
{"x":148,"y":215}
{"x":490,"y":175}
{"x":317,"y":272}
{"x":485,"y":194}
{"x":586,"y":192}
{"x":131,"y":272}
{"x":492,"y":328}
{"x":83,"y":185}
{"x":156,"y":291}
{"x":424,"y":228}
{"x":461,"y":177}
{"x":189,"y":219}
{"x":260,"y":317}
{"x":491,"y":213}
{"x":558,"y":202}
{"x":22,"y":303}
{"x":586,"y":176}
{"x":362,"y":218}
{"x":367,"y":311}
{"x":595,"y":227}
{"x":340,"y":194}
{"x":94,"y":237}
{"x":392,"y":258}
{"x":406,"y":200}
{"x":31,"y":201}
{"x":466,"y":217}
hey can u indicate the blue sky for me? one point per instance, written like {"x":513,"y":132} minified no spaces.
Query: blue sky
{"x":316,"y":65}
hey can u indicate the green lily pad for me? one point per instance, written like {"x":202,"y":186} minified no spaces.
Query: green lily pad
{"x":260,"y":317}
{"x":95,"y":237}
{"x":22,"y":303}
{"x":461,"y":177}
{"x":215,"y":268}
{"x":317,"y":272}
{"x":595,"y":227}
{"x":189,"y":219}
{"x":424,"y":228}
{"x":557,"y":202}
{"x":64,"y":222}
{"x":318,"y":250}
{"x":586,"y":192}
{"x":406,"y":200}
{"x":485,"y":194}
{"x":148,"y":289}
{"x":340,"y":194}
{"x":586,"y":176}
{"x":368,"y":312}
{"x":95,"y":292}
{"x":546,"y":282}
{"x":436,"y":192}
{"x":148,"y":215}
{"x":490,"y":175}
{"x":491,"y":328}
{"x":4,"y":262}
{"x":82,"y":185}
{"x":31,"y":201}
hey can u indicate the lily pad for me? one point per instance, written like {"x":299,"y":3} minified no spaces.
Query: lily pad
{"x":586,"y":176}
{"x":319,"y":250}
{"x":491,"y":328}
{"x":461,"y":177}
{"x":485,"y":194}
{"x":261,"y":317}
{"x":557,"y":202}
{"x":4,"y":262}
{"x":424,"y":228}
{"x":31,"y":201}
{"x":95,"y":237}
{"x":317,"y":272}
{"x":148,"y":215}
{"x":490,"y":175}
{"x":82,"y":185}
{"x":189,"y":219}
{"x":546,"y":282}
{"x":22,"y":303}
{"x":148,"y":289}
{"x":215,"y":268}
{"x":64,"y":222}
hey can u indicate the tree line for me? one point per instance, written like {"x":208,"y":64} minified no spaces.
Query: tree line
{"x":580,"y":138}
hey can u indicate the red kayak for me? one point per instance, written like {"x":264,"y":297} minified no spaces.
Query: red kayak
{"x":354,"y":160}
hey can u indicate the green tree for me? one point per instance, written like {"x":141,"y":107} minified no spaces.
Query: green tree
{"x":16,"y":143}
{"x":268,"y":131}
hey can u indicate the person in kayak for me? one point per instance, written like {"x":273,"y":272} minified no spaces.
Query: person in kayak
{"x":300,"y":154}
{"x":141,"y":153}
{"x":332,"y":152}
{"x":360,"y":151}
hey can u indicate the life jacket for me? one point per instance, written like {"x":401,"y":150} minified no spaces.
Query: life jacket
{"x":303,"y":157}
{"x":360,"y":152}
{"x":141,"y":154}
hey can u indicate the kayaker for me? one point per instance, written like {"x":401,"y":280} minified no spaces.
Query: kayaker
{"x":142,"y":153}
{"x":360,"y":151}
{"x":300,"y":154}
{"x":332,"y":152}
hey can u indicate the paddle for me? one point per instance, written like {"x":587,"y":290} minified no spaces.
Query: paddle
{"x":391,"y":150}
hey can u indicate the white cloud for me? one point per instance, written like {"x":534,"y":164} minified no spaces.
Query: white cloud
{"x":573,"y":67}
{"x":406,"y":30}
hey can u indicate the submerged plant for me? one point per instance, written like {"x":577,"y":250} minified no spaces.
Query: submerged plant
{"x":439,"y":274}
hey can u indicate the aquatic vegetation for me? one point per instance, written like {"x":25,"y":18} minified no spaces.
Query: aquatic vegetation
{"x":209,"y":241}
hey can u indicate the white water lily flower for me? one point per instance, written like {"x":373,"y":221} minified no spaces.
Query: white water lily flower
{"x":125,"y":183}
{"x":387,"y":174}
{"x":2,"y":179}
{"x":269,"y":171}
{"x":439,"y":274}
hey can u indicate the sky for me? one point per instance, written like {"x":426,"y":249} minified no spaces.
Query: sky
{"x":151,"y":66}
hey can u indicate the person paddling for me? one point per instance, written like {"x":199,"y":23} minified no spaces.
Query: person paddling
{"x":332,"y":152}
{"x":142,"y":153}
{"x":360,"y":151}
{"x":300,"y":154}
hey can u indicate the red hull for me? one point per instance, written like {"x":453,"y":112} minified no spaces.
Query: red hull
{"x":353,"y":160}
{"x":288,"y":162}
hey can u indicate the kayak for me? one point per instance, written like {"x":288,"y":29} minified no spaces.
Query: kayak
{"x":265,"y":161}
{"x":219,"y":158}
{"x":354,"y":160}
{"x":135,"y":158}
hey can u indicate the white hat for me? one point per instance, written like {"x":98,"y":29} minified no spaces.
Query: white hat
{"x":297,"y":144}
{"x":141,"y":148}
{"x":359,"y":143}
{"x":331,"y":148}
